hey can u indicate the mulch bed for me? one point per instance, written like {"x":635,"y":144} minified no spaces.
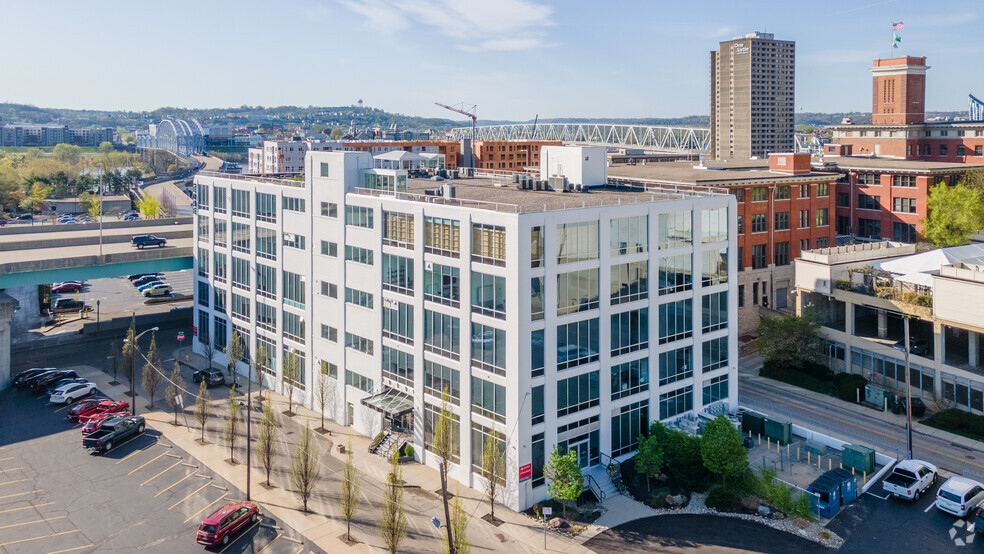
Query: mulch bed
{"x":489,"y":518}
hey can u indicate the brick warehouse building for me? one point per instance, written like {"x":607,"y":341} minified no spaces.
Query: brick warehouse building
{"x":784,"y":208}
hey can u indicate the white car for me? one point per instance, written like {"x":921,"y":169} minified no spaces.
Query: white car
{"x":959,"y":495}
{"x":66,"y":394}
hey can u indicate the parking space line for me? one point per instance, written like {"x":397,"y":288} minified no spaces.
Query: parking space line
{"x":241,"y":534}
{"x":135,"y":452}
{"x":62,"y":408}
{"x":11,"y":469}
{"x":71,"y":549}
{"x":268,"y":544}
{"x":21,"y":494}
{"x":299,"y":550}
{"x":205,"y":508}
{"x":175,"y":483}
{"x":5,"y":459}
{"x":161,"y":455}
{"x":17,"y":481}
{"x":189,"y":496}
{"x":161,"y":473}
{"x":130,"y":440}
{"x":26,"y":507}
{"x":30,"y":522}
{"x":38,"y":538}
{"x":878,"y":497}
{"x":930,"y":507}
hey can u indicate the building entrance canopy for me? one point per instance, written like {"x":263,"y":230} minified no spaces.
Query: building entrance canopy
{"x":391,"y":403}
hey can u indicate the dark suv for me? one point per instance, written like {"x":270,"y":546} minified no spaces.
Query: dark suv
{"x":147,"y":240}
{"x":211,"y":377}
{"x":67,"y":305}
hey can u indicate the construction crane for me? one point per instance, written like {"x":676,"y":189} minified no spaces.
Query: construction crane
{"x":470,"y":111}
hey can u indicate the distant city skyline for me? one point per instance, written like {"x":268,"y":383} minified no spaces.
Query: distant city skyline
{"x":513,"y":58}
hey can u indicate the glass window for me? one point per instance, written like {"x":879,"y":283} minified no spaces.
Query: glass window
{"x":438,"y":378}
{"x":630,"y":282}
{"x":204,"y":225}
{"x":266,"y":207}
{"x":715,"y":311}
{"x":630,"y":378}
{"x":220,"y":227}
{"x":358,"y":297}
{"x":294,"y":294}
{"x":240,"y":273}
{"x":271,"y":351}
{"x":782,"y":192}
{"x":629,"y":235}
{"x":675,"y":274}
{"x":441,"y":334}
{"x":715,"y":389}
{"x":675,"y":229}
{"x":488,"y":295}
{"x":432,"y":414}
{"x":325,"y":169}
{"x":266,"y":243}
{"x":760,"y":194}
{"x":266,"y":317}
{"x":398,"y":229}
{"x":240,"y":237}
{"x":488,"y":244}
{"x":822,"y":216}
{"x":294,"y":241}
{"x":442,"y":284}
{"x":398,"y":321}
{"x":220,"y":267}
{"x":676,"y":402}
{"x":359,"y":216}
{"x":904,"y":205}
{"x":358,"y":381}
{"x":577,"y":343}
{"x":442,"y":236}
{"x":714,"y":267}
{"x":904,"y":232}
{"x":488,"y":348}
{"x":536,"y":403}
{"x":577,"y":393}
{"x":577,"y":242}
{"x":539,"y":460}
{"x":293,"y":327}
{"x":479,"y":439}
{"x":293,"y":204}
{"x":240,"y":203}
{"x":676,"y":365}
{"x":631,"y":422}
{"x":629,"y":331}
{"x":203,"y":293}
{"x":536,"y":246}
{"x":239,"y":307}
{"x":536,"y":353}
{"x":203,"y":262}
{"x":782,"y":221}
{"x":219,"y":199}
{"x":781,"y":250}
{"x":760,"y":223}
{"x":488,"y":400}
{"x":220,"y":300}
{"x":714,"y":224}
{"x":823,"y":189}
{"x":221,"y":333}
{"x":202,"y":196}
{"x":329,"y":209}
{"x":536,"y":298}
{"x":398,"y":274}
{"x":398,"y":366}
{"x":356,"y":342}
{"x":675,"y":320}
{"x":715,"y":353}
{"x":358,"y":255}
{"x":758,"y":256}
{"x":266,"y":281}
{"x":577,"y":291}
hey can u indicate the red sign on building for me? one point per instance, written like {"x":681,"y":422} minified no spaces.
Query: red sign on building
{"x":525,"y":472}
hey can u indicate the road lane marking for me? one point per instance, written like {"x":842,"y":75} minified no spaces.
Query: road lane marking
{"x":175,"y":483}
{"x":161,"y":473}
{"x":878,"y":497}
{"x":930,"y":507}
{"x":828,"y":416}
{"x":268,"y":544}
{"x":135,"y":452}
{"x":11,"y":469}
{"x":17,"y":481}
{"x":71,"y":549}
{"x":241,"y":535}
{"x":21,"y":494}
{"x":205,"y":508}
{"x":38,"y":538}
{"x":5,"y":459}
{"x":189,"y":496}
{"x":26,"y":507}
{"x":145,"y":463}
{"x":30,"y":522}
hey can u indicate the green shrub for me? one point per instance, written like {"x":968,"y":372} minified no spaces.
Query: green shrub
{"x":952,"y":419}
{"x":848,"y":385}
{"x":801,"y":508}
{"x":721,"y":498}
{"x":976,"y":425}
{"x":408,"y":450}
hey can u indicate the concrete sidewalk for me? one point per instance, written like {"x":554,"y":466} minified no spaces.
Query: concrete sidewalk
{"x":518,"y":533}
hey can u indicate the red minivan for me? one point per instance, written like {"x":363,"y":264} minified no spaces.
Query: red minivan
{"x":227,"y":521}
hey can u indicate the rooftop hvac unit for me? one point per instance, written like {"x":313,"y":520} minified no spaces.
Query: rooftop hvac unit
{"x":447,"y":190}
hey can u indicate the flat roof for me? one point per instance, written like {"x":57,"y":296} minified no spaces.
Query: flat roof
{"x":864,"y":162}
{"x":714,"y":173}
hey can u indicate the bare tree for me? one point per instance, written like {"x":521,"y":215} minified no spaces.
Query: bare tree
{"x":203,"y":408}
{"x":266,"y":442}
{"x":493,"y":468}
{"x":152,"y":377}
{"x":291,"y":374}
{"x":233,"y":419}
{"x":304,"y":468}
{"x":208,"y":349}
{"x":117,"y":359}
{"x":234,"y":353}
{"x":349,"y":496}
{"x":262,"y":363}
{"x":325,"y":393}
{"x":173,"y":391}
{"x":445,"y":446}
{"x":393,"y":522}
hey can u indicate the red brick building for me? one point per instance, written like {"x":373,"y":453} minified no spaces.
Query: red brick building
{"x":509,"y":155}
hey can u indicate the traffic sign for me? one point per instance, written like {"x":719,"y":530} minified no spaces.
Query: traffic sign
{"x":181,"y":336}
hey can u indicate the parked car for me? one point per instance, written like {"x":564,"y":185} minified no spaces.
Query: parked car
{"x":31,"y":382}
{"x":136,"y":276}
{"x":212,"y":377}
{"x":83,"y":406}
{"x":909,"y":479}
{"x":62,"y":382}
{"x":67,"y":305}
{"x":113,"y":432}
{"x":21,"y":378}
{"x":225,"y":522}
{"x":25,"y":217}
{"x":146,"y":286}
{"x":104,"y":407}
{"x":66,"y":287}
{"x":140,"y":281}
{"x":147,"y":240}
{"x":43,"y":381}
{"x":131,"y":217}
{"x":919,"y":347}
{"x":2,"y":222}
{"x":66,"y":394}
{"x":158,"y":290}
{"x":96,"y":422}
{"x":959,"y":495}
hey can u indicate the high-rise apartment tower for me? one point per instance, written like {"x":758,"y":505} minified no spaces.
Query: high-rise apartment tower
{"x":752,"y":96}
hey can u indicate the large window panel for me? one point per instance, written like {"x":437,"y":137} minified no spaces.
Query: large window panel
{"x":714,"y":267}
{"x":489,"y":244}
{"x":676,"y":274}
{"x":577,"y":393}
{"x":714,"y":311}
{"x":676,"y":365}
{"x":675,"y":320}
{"x":630,"y":282}
{"x":577,"y":242}
{"x":675,"y":229}
{"x":398,"y":274}
{"x":488,"y":399}
{"x":714,"y":224}
{"x":676,"y":402}
{"x":629,"y":235}
{"x":441,"y":334}
{"x":629,"y":331}
{"x":442,"y":284}
{"x":488,"y":295}
{"x":577,"y":291}
{"x":488,"y":348}
{"x":630,"y":378}
{"x":577,"y":343}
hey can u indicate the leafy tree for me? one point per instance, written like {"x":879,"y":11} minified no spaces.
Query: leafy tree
{"x":203,"y":407}
{"x":337,"y":133}
{"x":266,"y":442}
{"x":304,"y":469}
{"x":955,"y":213}
{"x":133,"y":175}
{"x":349,"y":495}
{"x":393,"y":521}
{"x":493,"y":467}
{"x":172,"y":168}
{"x":791,"y":341}
{"x":152,"y":378}
{"x":262,"y":363}
{"x":721,"y":449}
{"x":234,"y":353}
{"x":106,"y":147}
{"x":564,"y":479}
{"x":173,"y":391}
{"x":458,"y":530}
{"x":291,"y":375}
{"x":233,"y":419}
{"x":149,"y":207}
{"x":445,"y":448}
{"x":90,"y":203}
{"x":129,"y":350}
{"x":68,"y":153}
{"x":37,"y":194}
{"x":974,"y":180}
{"x":649,"y":460}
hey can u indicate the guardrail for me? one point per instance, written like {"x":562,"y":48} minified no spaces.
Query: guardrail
{"x":614,"y":468}
{"x":293,"y":183}
{"x":595,"y":488}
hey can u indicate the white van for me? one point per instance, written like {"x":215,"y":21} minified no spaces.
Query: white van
{"x":959,"y":495}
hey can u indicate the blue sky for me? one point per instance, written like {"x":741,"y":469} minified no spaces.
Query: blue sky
{"x":513,"y":58}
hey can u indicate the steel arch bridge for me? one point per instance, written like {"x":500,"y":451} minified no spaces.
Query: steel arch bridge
{"x":691,"y":140}
{"x":180,"y":136}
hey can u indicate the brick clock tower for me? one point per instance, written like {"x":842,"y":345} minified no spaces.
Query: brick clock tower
{"x":898,"y":91}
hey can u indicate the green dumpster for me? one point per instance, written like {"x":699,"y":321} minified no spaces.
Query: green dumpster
{"x":861,"y":458}
{"x":780,"y":431}
{"x":754,"y":422}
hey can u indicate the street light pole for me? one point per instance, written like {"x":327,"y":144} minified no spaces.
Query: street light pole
{"x":908,"y":390}
{"x":249,"y":414}
{"x":133,"y":368}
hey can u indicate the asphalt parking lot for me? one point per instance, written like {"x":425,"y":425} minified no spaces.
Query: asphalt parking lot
{"x":144,"y":495}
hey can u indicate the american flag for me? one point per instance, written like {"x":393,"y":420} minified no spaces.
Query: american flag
{"x":897,"y":26}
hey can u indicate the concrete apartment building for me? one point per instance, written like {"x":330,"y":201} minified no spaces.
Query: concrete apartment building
{"x":752,"y":97}
{"x":509,"y":155}
{"x":287,"y":156}
{"x":51,"y":135}
{"x":861,"y":293}
{"x":533,"y":308}
{"x":784,"y":207}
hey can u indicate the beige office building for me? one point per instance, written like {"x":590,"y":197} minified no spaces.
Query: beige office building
{"x":752,"y":97}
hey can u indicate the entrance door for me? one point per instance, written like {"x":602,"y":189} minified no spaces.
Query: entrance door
{"x":583,"y":458}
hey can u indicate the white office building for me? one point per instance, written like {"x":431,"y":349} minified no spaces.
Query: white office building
{"x":285,"y":156}
{"x":533,"y":308}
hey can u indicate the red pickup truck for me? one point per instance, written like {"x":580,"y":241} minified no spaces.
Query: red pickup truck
{"x":104,"y":407}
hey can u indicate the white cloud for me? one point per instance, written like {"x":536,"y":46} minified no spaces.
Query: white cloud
{"x":475,"y":25}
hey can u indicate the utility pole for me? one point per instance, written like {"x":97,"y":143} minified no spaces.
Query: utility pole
{"x":908,"y":390}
